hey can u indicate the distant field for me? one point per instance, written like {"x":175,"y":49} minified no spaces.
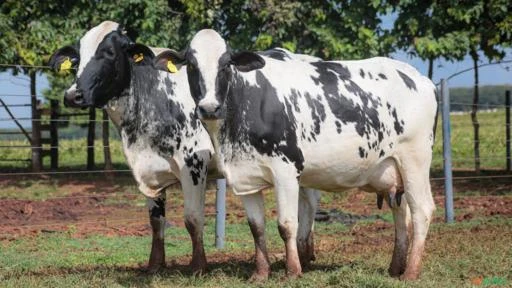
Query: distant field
{"x":492,"y":145}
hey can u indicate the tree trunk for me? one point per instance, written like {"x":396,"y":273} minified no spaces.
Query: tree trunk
{"x":90,"y":138}
{"x":106,"y":142}
{"x":37,"y":163}
{"x":474,"y":110}
{"x":430,"y":68}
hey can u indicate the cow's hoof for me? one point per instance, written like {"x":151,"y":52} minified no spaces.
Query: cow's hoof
{"x":198,"y":267}
{"x":409,"y":276}
{"x":306,"y":261}
{"x":293,"y":276}
{"x":155,"y":268}
{"x":258,"y":277}
{"x":395,"y":272}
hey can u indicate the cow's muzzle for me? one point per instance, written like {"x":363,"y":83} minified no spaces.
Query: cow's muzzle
{"x":74,"y":98}
{"x":210,"y":112}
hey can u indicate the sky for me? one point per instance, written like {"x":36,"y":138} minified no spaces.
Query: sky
{"x":489,"y":75}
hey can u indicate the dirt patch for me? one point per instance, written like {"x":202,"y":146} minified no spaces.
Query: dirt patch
{"x":95,"y":206}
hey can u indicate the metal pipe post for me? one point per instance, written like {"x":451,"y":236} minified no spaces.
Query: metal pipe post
{"x":447,"y":153}
{"x":507,"y":126}
{"x":220,"y":219}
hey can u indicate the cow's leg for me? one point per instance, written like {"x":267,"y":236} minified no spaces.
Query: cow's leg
{"x":401,"y":216}
{"x":421,"y":203}
{"x":194,"y":195}
{"x":156,"y":208}
{"x":287,"y":198}
{"x":308,"y":203}
{"x":254,"y":208}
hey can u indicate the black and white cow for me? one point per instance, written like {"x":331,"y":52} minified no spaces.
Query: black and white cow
{"x":163,"y":140}
{"x":329,"y":125}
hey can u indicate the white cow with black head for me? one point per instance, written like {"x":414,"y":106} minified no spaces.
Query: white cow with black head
{"x":163,"y":140}
{"x":329,"y":125}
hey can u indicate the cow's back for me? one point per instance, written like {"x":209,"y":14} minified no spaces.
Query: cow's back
{"x":346,"y":117}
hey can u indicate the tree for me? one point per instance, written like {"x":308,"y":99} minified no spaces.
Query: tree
{"x":328,"y":29}
{"x":487,"y":25}
{"x":423,"y":29}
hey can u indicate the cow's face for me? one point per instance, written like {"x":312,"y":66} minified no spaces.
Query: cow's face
{"x":103,"y":65}
{"x":210,"y":68}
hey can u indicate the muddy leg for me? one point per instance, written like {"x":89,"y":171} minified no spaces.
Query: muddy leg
{"x":308,"y":203}
{"x":421,"y":203}
{"x":156,"y":208}
{"x":254,"y":208}
{"x":194,"y":222}
{"x":401,"y":216}
{"x":287,"y":194}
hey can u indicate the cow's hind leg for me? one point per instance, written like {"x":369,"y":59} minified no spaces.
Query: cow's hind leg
{"x":254,"y":208}
{"x":287,"y":195}
{"x":156,"y":207}
{"x":308,"y":202}
{"x":401,"y":217}
{"x":421,"y":203}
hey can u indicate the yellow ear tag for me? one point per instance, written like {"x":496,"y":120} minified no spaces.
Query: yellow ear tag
{"x":65,"y":65}
{"x":138,"y":57}
{"x":171,"y":67}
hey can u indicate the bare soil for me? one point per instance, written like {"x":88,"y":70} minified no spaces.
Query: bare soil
{"x":108,"y":213}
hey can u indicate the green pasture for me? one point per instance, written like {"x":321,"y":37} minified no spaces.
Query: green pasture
{"x":457,"y":255}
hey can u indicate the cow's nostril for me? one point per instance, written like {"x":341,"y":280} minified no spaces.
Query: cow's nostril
{"x":202,"y":110}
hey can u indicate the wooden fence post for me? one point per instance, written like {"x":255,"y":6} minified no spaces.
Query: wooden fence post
{"x":106,"y":142}
{"x":507,"y":127}
{"x":90,"y":138}
{"x":54,"y":137}
{"x":37,"y":164}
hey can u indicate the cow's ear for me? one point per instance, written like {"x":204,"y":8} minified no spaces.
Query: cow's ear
{"x":169,"y":61}
{"x":140,"y":54}
{"x":64,"y":59}
{"x":246,"y":61}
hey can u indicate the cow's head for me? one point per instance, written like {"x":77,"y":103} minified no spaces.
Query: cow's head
{"x":210,"y":67}
{"x":102,"y":59}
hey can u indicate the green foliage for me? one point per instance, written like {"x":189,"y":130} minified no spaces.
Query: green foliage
{"x":328,"y":29}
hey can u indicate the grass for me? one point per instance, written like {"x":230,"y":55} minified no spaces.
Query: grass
{"x":456,"y":255}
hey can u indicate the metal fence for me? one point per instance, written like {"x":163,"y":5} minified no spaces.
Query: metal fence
{"x":37,"y":120}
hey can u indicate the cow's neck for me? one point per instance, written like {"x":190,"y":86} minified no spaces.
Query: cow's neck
{"x":236,"y":103}
{"x":148,"y":115}
{"x":115,"y":108}
{"x":213,"y":127}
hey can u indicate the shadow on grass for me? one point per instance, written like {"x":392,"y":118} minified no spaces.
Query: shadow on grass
{"x":139,"y":276}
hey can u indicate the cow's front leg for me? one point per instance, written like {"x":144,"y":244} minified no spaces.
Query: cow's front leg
{"x":287,"y":198}
{"x":194,"y":194}
{"x":255,"y":211}
{"x":308,"y":203}
{"x":156,"y":208}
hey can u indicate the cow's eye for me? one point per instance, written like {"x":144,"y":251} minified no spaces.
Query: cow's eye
{"x":109,"y":51}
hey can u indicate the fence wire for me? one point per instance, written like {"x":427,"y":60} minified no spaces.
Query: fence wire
{"x":128,"y":195}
